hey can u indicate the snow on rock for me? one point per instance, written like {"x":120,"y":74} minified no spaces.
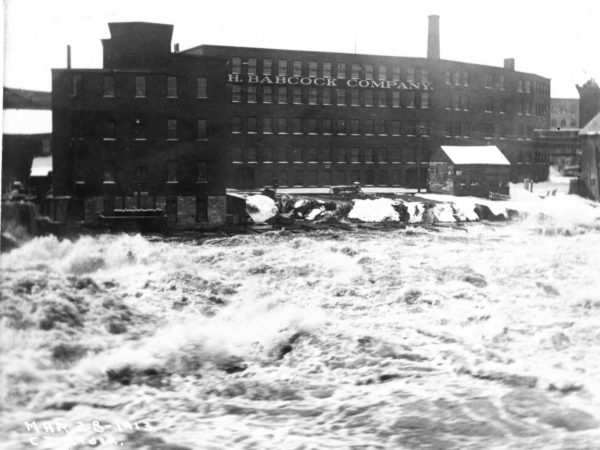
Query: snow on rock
{"x":443,"y":212}
{"x":378,"y":210}
{"x":260,"y":208}
{"x":315,"y":213}
{"x":415,"y":209}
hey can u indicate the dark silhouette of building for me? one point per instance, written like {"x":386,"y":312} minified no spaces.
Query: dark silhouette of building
{"x":590,"y":158}
{"x":147,"y":131}
{"x":589,"y":101}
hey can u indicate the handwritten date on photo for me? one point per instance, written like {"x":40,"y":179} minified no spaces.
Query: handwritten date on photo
{"x":51,"y":430}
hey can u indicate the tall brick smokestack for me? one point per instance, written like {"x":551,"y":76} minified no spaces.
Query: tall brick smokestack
{"x":433,"y":38}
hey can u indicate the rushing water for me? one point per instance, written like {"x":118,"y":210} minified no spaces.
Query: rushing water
{"x":405,"y":339}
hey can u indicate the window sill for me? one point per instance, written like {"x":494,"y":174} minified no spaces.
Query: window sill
{"x":108,"y":96}
{"x":172,"y":182}
{"x":236,"y":132}
{"x":141,"y":139}
{"x":171,"y":139}
{"x":140,"y":96}
{"x":267,"y":132}
{"x":267,"y":162}
{"x":282,"y":162}
{"x":201,"y":98}
{"x":108,"y":139}
{"x":171,"y":96}
{"x":252,"y":132}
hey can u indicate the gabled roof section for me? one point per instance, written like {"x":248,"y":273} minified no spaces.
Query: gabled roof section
{"x":484,"y":154}
{"x":592,"y":128}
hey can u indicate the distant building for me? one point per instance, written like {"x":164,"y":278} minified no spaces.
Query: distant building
{"x":589,"y":101}
{"x":26,"y":134}
{"x":590,"y":158}
{"x":469,"y":170}
{"x":564,"y":113}
{"x":558,"y":147}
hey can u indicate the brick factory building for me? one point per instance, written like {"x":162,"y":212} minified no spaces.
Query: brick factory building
{"x":172,"y":130}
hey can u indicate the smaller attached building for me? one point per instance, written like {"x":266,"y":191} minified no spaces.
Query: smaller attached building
{"x":473,"y":170}
{"x":590,"y":158}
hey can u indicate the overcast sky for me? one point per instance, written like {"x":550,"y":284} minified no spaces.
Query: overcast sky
{"x":556,"y":39}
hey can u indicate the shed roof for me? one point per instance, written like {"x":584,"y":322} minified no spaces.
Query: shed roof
{"x":592,"y":127}
{"x":475,"y":154}
{"x":41,"y":166}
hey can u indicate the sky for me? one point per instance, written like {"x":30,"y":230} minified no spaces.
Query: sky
{"x":555,"y":39}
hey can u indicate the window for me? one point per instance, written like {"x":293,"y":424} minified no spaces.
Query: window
{"x":449,"y":128}
{"x":326,"y":154}
{"x":267,"y":125}
{"x":412,"y":128}
{"x":109,"y":86}
{"x":297,"y":125}
{"x":281,"y":95}
{"x":310,"y":155}
{"x":282,"y":125}
{"x":457,"y":78}
{"x":395,"y":130}
{"x":312,"y":126}
{"x":424,"y":99}
{"x":139,"y":129}
{"x":355,"y":71}
{"x":396,"y":73}
{"x":267,"y":67}
{"x":251,"y":154}
{"x":502,"y":131}
{"x":140,"y":86}
{"x":312,"y":69}
{"x":501,"y":82}
{"x":448,"y":77}
{"x":355,"y":97}
{"x":267,"y":94}
{"x":341,"y":126}
{"x":489,"y":104}
{"x":528,"y":86}
{"x":282,"y":68}
{"x":354,"y":155}
{"x":368,"y":126}
{"x":466,"y":102}
{"x":76,"y":84}
{"x":297,"y":155}
{"x":488,"y":130}
{"x":172,"y":171}
{"x":457,"y":130}
{"x":326,"y":70}
{"x":312,"y":96}
{"x":410,"y":74}
{"x":236,"y":93}
{"x":368,"y":155}
{"x":236,"y":65}
{"x":140,"y":175}
{"x":201,"y":128}
{"x":466,"y":78}
{"x":341,"y":70}
{"x":297,"y":96}
{"x":267,"y":155}
{"x":171,"y":129}
{"x":110,"y":133}
{"x":502,"y":106}
{"x":396,"y":99}
{"x":252,"y":125}
{"x":326,"y":93}
{"x":341,"y":97}
{"x":382,"y":98}
{"x":297,"y":68}
{"x":201,"y":87}
{"x":171,"y":86}
{"x":252,"y":93}
{"x":252,"y":66}
{"x":449,"y":102}
{"x":382,"y":73}
{"x":410,"y":99}
{"x":326,"y":126}
{"x":424,"y":76}
{"x":456,"y":101}
{"x":381,"y":155}
{"x":488,"y":81}
{"x":355,"y":126}
{"x":340,"y":155}
{"x":466,"y":128}
{"x":236,"y":124}
{"x":369,"y":71}
{"x":236,"y":154}
{"x":520,"y":86}
{"x":380,"y":127}
{"x":368,"y":97}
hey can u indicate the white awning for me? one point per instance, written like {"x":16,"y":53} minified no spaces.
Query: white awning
{"x":475,"y":154}
{"x":41,"y":166}
{"x":26,"y":121}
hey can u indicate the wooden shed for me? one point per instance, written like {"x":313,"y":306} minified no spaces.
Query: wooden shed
{"x":469,"y":170}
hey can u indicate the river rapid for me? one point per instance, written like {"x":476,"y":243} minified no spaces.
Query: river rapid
{"x":405,"y":339}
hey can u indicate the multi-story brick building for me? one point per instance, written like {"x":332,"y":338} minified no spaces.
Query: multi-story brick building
{"x":163,"y":129}
{"x":564,"y":113}
{"x":147,"y":131}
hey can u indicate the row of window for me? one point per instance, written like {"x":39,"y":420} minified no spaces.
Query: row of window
{"x":325,"y":96}
{"x":141,"y":172}
{"x":140,"y":130}
{"x":325,"y":70}
{"x":310,"y":125}
{"x":339,"y":155}
{"x":172,"y":89}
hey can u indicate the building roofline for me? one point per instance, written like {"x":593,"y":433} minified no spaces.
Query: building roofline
{"x":424,"y":59}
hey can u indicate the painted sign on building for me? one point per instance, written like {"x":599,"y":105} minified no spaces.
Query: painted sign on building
{"x":328,"y":82}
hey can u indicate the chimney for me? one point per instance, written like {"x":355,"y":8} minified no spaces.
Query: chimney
{"x":176,"y":48}
{"x":433,"y":38}
{"x":68,"y":56}
{"x":509,"y":63}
